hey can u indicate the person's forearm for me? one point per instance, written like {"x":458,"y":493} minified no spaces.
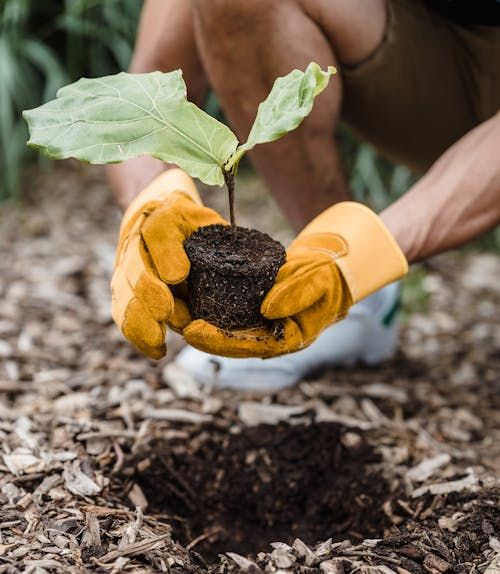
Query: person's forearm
{"x":165,"y":41}
{"x":456,"y":201}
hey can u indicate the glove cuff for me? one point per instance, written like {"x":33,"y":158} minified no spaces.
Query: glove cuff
{"x":364,"y":249}
{"x":170,"y":181}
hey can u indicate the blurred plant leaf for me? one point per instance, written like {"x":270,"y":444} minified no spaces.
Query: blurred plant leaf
{"x":415,"y":297}
{"x":44,"y":45}
{"x":42,"y":57}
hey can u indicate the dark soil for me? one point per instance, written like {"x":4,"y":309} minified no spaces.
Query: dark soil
{"x":264,"y":484}
{"x":230,"y":276}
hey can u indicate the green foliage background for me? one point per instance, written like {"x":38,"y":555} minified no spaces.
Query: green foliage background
{"x":44,"y":45}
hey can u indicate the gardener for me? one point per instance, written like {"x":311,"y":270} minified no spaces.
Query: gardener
{"x":418,"y":80}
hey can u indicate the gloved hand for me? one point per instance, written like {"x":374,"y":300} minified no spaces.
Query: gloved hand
{"x":151,"y":265}
{"x":341,"y":257}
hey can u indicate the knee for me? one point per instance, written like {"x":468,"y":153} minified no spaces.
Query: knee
{"x":229,"y":15}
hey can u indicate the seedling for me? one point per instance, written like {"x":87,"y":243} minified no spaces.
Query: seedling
{"x":114,"y":118}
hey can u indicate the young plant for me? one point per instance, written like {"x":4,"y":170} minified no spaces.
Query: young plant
{"x":111,"y":119}
{"x":114,"y":118}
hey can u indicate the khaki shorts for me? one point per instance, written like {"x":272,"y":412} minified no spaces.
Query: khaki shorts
{"x":427,"y":84}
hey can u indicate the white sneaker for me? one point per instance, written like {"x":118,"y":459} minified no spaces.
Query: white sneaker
{"x":368,"y":335}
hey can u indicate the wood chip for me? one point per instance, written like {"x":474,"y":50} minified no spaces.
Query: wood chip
{"x":468,"y":482}
{"x":77,"y":482}
{"x":435,"y":565}
{"x":379,"y":569}
{"x":254,"y":413}
{"x":92,"y":534}
{"x":22,"y":461}
{"x":384,"y":391}
{"x":181,"y":382}
{"x":494,"y":565}
{"x":303,"y":551}
{"x":104,"y":511}
{"x":246,"y":565}
{"x":282,"y":558}
{"x":137,"y":497}
{"x":428,"y":467}
{"x":333,"y":566}
{"x":134,"y":549}
{"x":177,"y":415}
{"x":326,"y":415}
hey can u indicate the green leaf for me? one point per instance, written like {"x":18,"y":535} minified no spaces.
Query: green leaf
{"x":113,"y":118}
{"x":288,"y":103}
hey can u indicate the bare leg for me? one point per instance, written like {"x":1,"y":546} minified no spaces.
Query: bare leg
{"x":165,"y":42}
{"x":245,"y":46}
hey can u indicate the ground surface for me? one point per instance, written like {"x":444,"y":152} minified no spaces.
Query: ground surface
{"x":110,"y":462}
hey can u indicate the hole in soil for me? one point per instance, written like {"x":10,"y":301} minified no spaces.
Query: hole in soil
{"x":239,"y":492}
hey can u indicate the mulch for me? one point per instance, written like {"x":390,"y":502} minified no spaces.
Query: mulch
{"x":111,"y":462}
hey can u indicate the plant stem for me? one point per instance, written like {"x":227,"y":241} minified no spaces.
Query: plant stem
{"x":229,"y":179}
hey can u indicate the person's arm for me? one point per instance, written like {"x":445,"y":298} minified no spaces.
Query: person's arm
{"x":165,"y":41}
{"x":456,"y":201}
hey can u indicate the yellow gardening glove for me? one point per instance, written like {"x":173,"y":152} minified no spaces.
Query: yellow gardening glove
{"x":341,"y":257}
{"x":148,"y":284}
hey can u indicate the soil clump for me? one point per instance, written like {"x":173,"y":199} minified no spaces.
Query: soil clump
{"x":231,"y":275}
